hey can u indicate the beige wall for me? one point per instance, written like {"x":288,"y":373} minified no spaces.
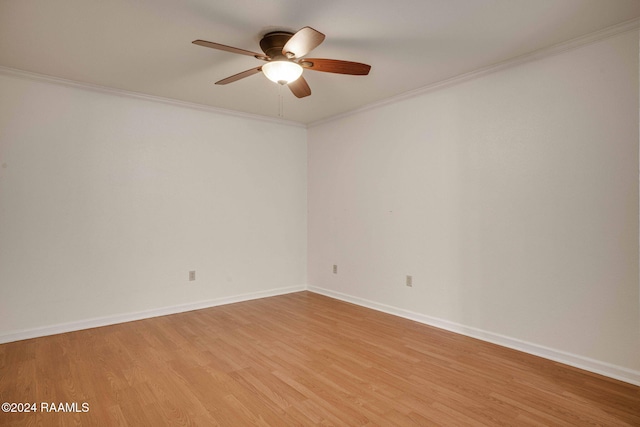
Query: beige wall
{"x":106,"y":203}
{"x":512,"y":200}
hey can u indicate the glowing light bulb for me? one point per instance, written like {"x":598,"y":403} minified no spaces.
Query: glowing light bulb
{"x":282,"y":72}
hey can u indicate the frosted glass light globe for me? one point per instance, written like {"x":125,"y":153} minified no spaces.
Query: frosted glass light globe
{"x":282,"y":72}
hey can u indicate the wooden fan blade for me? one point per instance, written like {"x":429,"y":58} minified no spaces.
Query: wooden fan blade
{"x":226,"y":48}
{"x":336,"y":66}
{"x":239,"y":76}
{"x":300,"y":87}
{"x":302,"y":42}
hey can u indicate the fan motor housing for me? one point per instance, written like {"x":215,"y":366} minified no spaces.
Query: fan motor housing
{"x":273,"y":42}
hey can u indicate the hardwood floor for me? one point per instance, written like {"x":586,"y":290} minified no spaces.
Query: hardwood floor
{"x":298,"y":359}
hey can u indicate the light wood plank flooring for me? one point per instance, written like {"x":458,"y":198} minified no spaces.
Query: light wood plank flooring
{"x":298,"y":359}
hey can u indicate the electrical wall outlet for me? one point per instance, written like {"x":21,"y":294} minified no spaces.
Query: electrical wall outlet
{"x":409,"y":281}
{"x":192,"y":275}
{"x":335,"y":269}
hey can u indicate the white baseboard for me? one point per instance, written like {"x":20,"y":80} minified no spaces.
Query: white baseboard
{"x":591,"y":365}
{"x":602,"y":368}
{"x":146,"y":314}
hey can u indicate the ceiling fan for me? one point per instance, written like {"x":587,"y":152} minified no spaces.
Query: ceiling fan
{"x":284,"y":53}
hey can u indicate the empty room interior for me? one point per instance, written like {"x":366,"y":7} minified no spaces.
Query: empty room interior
{"x":230,"y":213}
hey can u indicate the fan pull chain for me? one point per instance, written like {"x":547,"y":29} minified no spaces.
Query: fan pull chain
{"x":280,"y":102}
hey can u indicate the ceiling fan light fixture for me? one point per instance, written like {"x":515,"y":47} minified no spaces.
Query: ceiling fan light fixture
{"x":285,"y":58}
{"x":282,"y":72}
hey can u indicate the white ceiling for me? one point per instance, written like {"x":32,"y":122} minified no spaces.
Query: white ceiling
{"x":145,"y":45}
